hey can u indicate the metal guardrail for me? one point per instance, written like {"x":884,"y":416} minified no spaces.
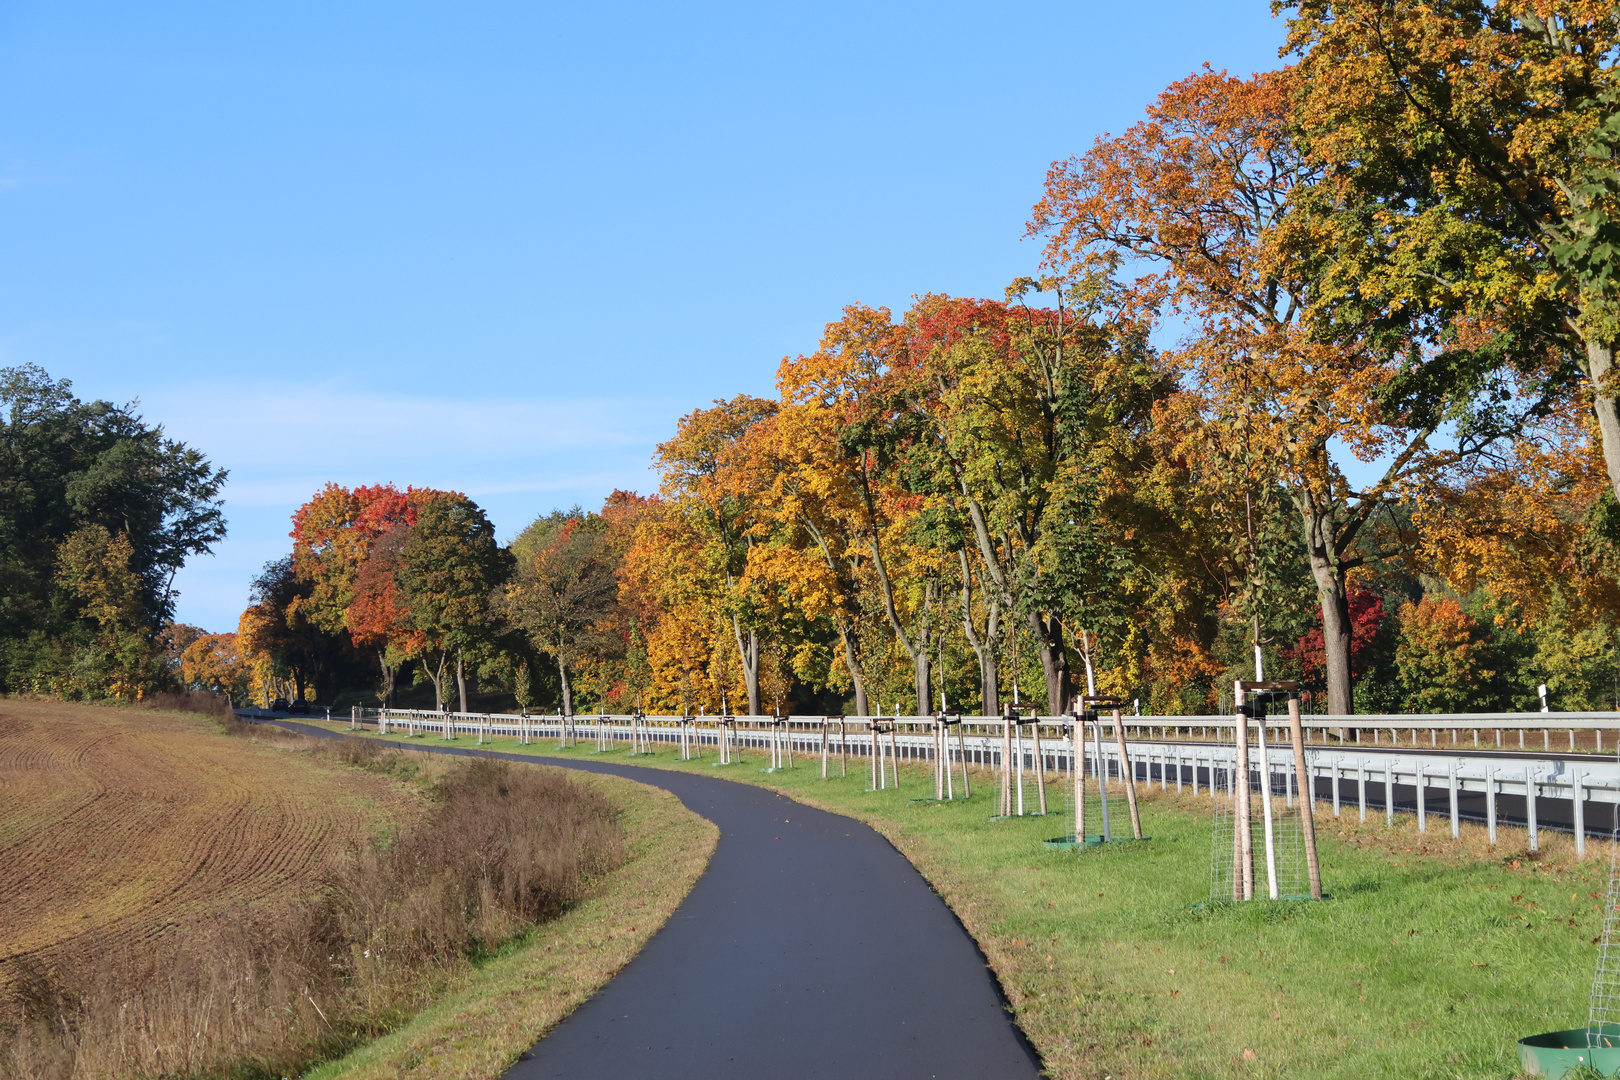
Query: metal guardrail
{"x":1452,"y":784}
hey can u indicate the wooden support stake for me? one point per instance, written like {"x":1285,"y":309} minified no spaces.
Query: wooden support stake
{"x":1077,"y":746}
{"x":1040,"y":766}
{"x":961,"y":746}
{"x":894,"y":754}
{"x":1130,"y":775}
{"x":1307,"y":798}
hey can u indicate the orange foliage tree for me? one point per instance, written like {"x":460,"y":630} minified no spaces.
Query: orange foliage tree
{"x":1202,"y":192}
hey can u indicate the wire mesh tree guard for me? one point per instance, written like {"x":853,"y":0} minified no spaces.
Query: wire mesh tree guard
{"x":1285,"y":838}
{"x":1090,"y":805}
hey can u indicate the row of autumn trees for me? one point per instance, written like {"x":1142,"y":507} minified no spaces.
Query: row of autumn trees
{"x":1379,"y":451}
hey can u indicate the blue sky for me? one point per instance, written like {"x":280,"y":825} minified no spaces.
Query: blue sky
{"x":502,"y":248}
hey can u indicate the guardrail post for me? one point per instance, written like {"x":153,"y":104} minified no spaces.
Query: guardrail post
{"x":1389,"y":794}
{"x":1455,"y":831}
{"x":1361,"y":789}
{"x":1338,"y":763}
{"x":1490,"y":805}
{"x":1580,"y":813}
{"x":1530,"y":807}
{"x":1420,"y":779}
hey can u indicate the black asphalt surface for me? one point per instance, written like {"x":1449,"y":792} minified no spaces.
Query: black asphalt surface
{"x":809,"y":947}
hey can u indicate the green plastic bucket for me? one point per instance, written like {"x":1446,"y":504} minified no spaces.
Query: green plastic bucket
{"x":1555,"y":1053}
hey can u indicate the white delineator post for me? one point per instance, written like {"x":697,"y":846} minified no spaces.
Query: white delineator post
{"x":1265,"y":811}
{"x":1243,"y":839}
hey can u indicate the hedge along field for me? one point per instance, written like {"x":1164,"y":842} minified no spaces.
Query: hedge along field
{"x":1430,"y":959}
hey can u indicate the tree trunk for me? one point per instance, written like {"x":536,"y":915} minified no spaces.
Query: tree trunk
{"x":567,"y":690}
{"x":387,"y":678}
{"x":748,"y":653}
{"x":1054,"y":662}
{"x":861,"y":708}
{"x":916,"y":649}
{"x":436,"y":676}
{"x":1599,"y":361}
{"x":985,"y":648}
{"x":1335,"y":600}
{"x":922,"y":671}
{"x":461,"y":681}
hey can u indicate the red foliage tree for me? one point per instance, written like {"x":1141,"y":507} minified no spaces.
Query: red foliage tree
{"x":1366,"y":617}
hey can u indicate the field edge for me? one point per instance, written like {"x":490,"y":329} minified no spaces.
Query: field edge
{"x":484,"y":1023}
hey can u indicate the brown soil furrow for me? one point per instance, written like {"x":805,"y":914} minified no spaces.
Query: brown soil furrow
{"x":118,"y":825}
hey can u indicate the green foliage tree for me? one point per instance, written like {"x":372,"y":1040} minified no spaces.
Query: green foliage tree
{"x":67,"y":465}
{"x":565,"y":584}
{"x":1444,"y":657}
{"x":450,"y":565}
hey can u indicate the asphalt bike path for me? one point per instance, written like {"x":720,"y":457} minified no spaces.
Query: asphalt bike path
{"x":809,"y":947}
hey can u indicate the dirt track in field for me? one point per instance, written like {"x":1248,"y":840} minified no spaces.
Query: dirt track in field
{"x":117,"y":825}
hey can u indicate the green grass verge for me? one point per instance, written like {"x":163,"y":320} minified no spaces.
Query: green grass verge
{"x":488,"y":1017}
{"x":1432,"y":957}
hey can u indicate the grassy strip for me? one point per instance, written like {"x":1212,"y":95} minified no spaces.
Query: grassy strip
{"x":1432,"y":957}
{"x":494,"y":1013}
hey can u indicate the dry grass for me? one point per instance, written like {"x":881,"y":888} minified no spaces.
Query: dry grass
{"x":494,"y":1013}
{"x":261,"y":985}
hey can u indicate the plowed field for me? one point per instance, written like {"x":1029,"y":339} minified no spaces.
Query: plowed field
{"x":118,"y":825}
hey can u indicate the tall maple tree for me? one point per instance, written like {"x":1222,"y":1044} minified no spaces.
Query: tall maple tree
{"x":1469,"y":183}
{"x":1203,"y":193}
{"x":722,"y":517}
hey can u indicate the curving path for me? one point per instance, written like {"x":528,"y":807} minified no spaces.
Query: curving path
{"x":809,"y":947}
